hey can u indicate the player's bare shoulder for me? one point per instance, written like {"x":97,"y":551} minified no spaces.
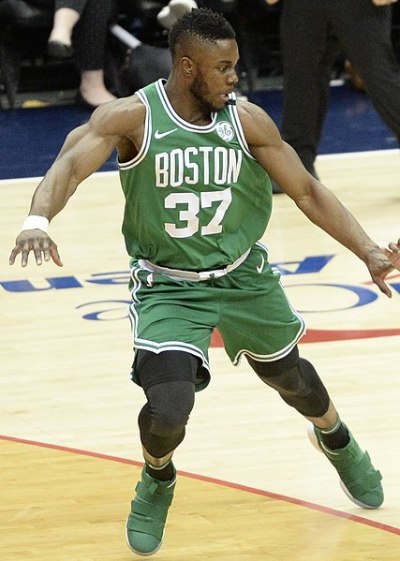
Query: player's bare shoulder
{"x":257,"y":124}
{"x":122,"y":123}
{"x":123,"y":117}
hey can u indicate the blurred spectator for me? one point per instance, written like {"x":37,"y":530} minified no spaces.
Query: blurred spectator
{"x":312,"y":34}
{"x":173,"y":11}
{"x":80,"y":30}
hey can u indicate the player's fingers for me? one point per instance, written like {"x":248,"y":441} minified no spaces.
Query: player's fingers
{"x":393,"y":254}
{"x":395,"y":247}
{"x":55,"y":255}
{"x":24,"y":256}
{"x":16,"y":251}
{"x":37,"y":249}
{"x":26,"y":247}
{"x":386,"y":251}
{"x":395,"y":260}
{"x":383,"y":287}
{"x":46,"y":254}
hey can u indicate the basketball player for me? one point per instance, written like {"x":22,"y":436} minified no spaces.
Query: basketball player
{"x":194,"y":168}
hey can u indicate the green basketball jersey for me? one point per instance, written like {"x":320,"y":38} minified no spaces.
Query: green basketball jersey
{"x":196,"y":198}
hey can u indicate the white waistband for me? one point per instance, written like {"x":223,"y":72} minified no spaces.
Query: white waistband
{"x":194,"y":276}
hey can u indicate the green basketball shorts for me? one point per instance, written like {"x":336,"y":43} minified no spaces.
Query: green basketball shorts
{"x":248,"y":306}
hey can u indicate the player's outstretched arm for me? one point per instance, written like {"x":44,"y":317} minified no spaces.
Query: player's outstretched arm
{"x":85,"y":150}
{"x":315,"y":200}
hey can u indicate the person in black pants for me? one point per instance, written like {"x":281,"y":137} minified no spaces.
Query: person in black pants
{"x":80,"y":30}
{"x":312,"y":33}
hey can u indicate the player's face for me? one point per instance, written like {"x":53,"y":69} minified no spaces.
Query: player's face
{"x":215,"y":75}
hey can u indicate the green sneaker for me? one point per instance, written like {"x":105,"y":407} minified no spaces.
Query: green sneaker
{"x":358,"y":478}
{"x":149,"y":509}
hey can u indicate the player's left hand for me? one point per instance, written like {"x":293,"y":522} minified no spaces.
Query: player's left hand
{"x":393,"y":254}
{"x":381,"y":261}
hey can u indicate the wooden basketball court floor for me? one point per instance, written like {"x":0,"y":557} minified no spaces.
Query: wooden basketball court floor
{"x":251,"y":486}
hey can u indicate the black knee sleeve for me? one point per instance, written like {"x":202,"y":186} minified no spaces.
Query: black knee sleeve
{"x":163,"y":419}
{"x":296,"y":381}
{"x":168,"y":366}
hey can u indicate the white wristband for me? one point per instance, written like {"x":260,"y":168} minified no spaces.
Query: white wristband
{"x":33,"y":222}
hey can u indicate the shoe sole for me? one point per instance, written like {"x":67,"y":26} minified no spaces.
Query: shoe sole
{"x":314,"y":441}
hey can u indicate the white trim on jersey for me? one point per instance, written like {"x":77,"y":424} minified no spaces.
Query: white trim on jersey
{"x":175,"y":117}
{"x":274,"y":356}
{"x":237,"y":125}
{"x":146,"y":136}
{"x":146,"y":344}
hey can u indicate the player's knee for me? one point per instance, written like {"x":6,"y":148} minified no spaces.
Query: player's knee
{"x":170,"y":405}
{"x":168,"y":379}
{"x":286,"y":375}
{"x":297,"y":382}
{"x":279,"y":374}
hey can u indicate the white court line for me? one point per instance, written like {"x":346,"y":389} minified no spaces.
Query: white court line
{"x":37,"y":179}
{"x":364,"y":153}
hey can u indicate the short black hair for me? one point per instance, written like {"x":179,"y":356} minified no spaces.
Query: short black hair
{"x":200,"y":23}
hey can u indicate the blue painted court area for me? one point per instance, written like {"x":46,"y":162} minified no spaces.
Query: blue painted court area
{"x":31,"y":138}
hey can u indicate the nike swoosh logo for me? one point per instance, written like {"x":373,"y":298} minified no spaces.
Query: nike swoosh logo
{"x":158,"y":134}
{"x":261,"y":265}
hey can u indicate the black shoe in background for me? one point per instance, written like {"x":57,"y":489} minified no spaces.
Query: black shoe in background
{"x":57,"y":49}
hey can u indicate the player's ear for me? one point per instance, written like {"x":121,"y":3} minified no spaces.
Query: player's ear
{"x":187,"y":66}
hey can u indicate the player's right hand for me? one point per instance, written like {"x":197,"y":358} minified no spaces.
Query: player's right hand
{"x":39,"y":243}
